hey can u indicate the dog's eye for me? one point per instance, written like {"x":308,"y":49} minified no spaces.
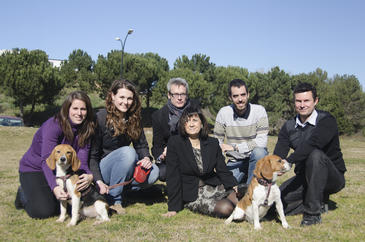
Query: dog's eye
{"x":68,"y":152}
{"x":58,"y":151}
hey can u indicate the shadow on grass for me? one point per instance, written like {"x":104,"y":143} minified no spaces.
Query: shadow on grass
{"x":156,"y":193}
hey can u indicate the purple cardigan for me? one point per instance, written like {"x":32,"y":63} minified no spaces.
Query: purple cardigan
{"x":48,"y":136}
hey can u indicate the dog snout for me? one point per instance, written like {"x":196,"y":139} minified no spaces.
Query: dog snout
{"x":63,"y":159}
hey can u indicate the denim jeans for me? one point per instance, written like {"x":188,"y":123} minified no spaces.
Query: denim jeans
{"x":242,"y":168}
{"x":118,"y":166}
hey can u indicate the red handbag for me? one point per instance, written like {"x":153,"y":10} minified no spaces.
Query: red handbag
{"x":140,"y":174}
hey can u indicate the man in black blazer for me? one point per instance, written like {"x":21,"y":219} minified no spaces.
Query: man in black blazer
{"x":165,"y":120}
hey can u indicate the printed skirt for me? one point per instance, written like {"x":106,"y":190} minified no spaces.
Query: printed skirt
{"x":207,"y":199}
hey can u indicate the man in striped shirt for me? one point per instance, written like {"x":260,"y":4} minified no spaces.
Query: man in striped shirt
{"x":245,"y":127}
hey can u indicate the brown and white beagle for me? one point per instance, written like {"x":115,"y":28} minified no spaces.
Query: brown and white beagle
{"x":262,"y":192}
{"x":64,"y":159}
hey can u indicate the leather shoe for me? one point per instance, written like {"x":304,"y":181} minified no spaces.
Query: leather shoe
{"x":309,"y":219}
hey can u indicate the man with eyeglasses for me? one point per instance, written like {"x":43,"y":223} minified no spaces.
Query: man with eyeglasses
{"x":165,"y":120}
{"x":245,"y":127}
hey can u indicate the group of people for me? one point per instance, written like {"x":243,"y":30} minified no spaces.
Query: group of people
{"x":190,"y":161}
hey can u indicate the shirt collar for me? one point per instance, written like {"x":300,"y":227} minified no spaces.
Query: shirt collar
{"x":244,"y":115}
{"x":311,"y":120}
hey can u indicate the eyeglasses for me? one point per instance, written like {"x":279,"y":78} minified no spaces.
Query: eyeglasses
{"x":176,"y":95}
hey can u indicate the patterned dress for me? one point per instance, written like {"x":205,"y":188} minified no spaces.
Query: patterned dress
{"x":207,"y":195}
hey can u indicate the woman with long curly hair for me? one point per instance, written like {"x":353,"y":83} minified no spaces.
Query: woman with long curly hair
{"x":74,"y":125}
{"x":112,"y":159}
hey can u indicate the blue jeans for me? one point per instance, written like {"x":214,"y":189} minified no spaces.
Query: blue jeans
{"x":118,"y":166}
{"x":240,"y":168}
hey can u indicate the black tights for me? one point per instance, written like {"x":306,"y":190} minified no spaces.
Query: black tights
{"x":224,"y":207}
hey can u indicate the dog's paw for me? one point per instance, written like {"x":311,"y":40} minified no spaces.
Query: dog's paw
{"x":258,"y":227}
{"x":71,"y":223}
{"x":61,"y":220}
{"x":100,"y":221}
{"x":286,"y":226}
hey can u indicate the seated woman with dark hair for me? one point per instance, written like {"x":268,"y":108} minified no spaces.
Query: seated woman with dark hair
{"x":197,"y":176}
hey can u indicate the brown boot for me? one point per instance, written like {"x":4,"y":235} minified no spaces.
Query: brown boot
{"x":118,"y":209}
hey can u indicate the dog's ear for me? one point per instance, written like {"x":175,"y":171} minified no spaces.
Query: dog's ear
{"x":51,"y":160}
{"x":266,"y":170}
{"x":257,"y":171}
{"x":76,"y":163}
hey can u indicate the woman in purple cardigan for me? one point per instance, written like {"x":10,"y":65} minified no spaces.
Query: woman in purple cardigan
{"x":74,"y":125}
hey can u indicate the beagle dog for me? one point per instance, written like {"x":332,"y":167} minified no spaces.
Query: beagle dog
{"x":262,"y":192}
{"x":64,"y":159}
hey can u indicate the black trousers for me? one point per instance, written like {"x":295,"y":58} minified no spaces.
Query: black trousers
{"x":38,"y":201}
{"x":305,"y":192}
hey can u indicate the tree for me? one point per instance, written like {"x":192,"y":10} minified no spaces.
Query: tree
{"x":29,"y":78}
{"x":145,"y":70}
{"x":107,"y":69}
{"x":77,"y":71}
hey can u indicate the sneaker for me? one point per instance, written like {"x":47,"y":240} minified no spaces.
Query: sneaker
{"x":19,"y":199}
{"x":309,"y":219}
{"x":118,"y":209}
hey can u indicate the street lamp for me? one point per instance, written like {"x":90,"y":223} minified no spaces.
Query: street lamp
{"x":130,"y":31}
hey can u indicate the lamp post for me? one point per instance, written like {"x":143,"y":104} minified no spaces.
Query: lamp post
{"x":130,"y":31}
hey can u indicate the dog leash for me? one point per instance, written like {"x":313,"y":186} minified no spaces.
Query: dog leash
{"x":120,"y":184}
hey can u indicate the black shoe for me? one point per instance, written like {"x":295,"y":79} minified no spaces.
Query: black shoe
{"x":310,"y":220}
{"x":18,"y":199}
{"x":241,"y":190}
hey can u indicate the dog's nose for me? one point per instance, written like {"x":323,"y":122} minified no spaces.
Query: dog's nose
{"x":63,"y":159}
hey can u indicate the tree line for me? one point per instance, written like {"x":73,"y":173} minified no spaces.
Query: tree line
{"x":29,"y":78}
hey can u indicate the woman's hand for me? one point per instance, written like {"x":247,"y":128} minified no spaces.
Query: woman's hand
{"x":60,"y":193}
{"x":145,"y":163}
{"x":103,"y":187}
{"x":169,"y":214}
{"x":226,"y":147}
{"x":84,"y":181}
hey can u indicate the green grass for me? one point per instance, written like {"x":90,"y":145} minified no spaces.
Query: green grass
{"x":143,"y":221}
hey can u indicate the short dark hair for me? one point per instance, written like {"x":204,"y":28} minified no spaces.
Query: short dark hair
{"x":305,"y":87}
{"x":187,"y":113}
{"x":236,"y":83}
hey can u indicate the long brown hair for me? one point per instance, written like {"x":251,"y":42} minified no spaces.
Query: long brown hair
{"x":88,"y":125}
{"x":124,"y":123}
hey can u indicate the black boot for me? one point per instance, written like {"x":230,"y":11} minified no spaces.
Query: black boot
{"x":241,"y":190}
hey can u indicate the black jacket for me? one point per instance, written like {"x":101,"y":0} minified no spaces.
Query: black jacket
{"x":183,"y":174}
{"x":104,"y":143}
{"x":323,"y":136}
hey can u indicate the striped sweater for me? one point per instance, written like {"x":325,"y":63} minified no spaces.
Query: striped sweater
{"x":246,"y":132}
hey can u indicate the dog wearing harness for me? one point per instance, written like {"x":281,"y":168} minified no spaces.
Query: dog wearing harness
{"x":88,"y":203}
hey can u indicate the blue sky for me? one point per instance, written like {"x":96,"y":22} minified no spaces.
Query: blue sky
{"x":298,"y":36}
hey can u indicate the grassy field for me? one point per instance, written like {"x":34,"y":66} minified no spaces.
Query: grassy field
{"x":143,"y":222}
